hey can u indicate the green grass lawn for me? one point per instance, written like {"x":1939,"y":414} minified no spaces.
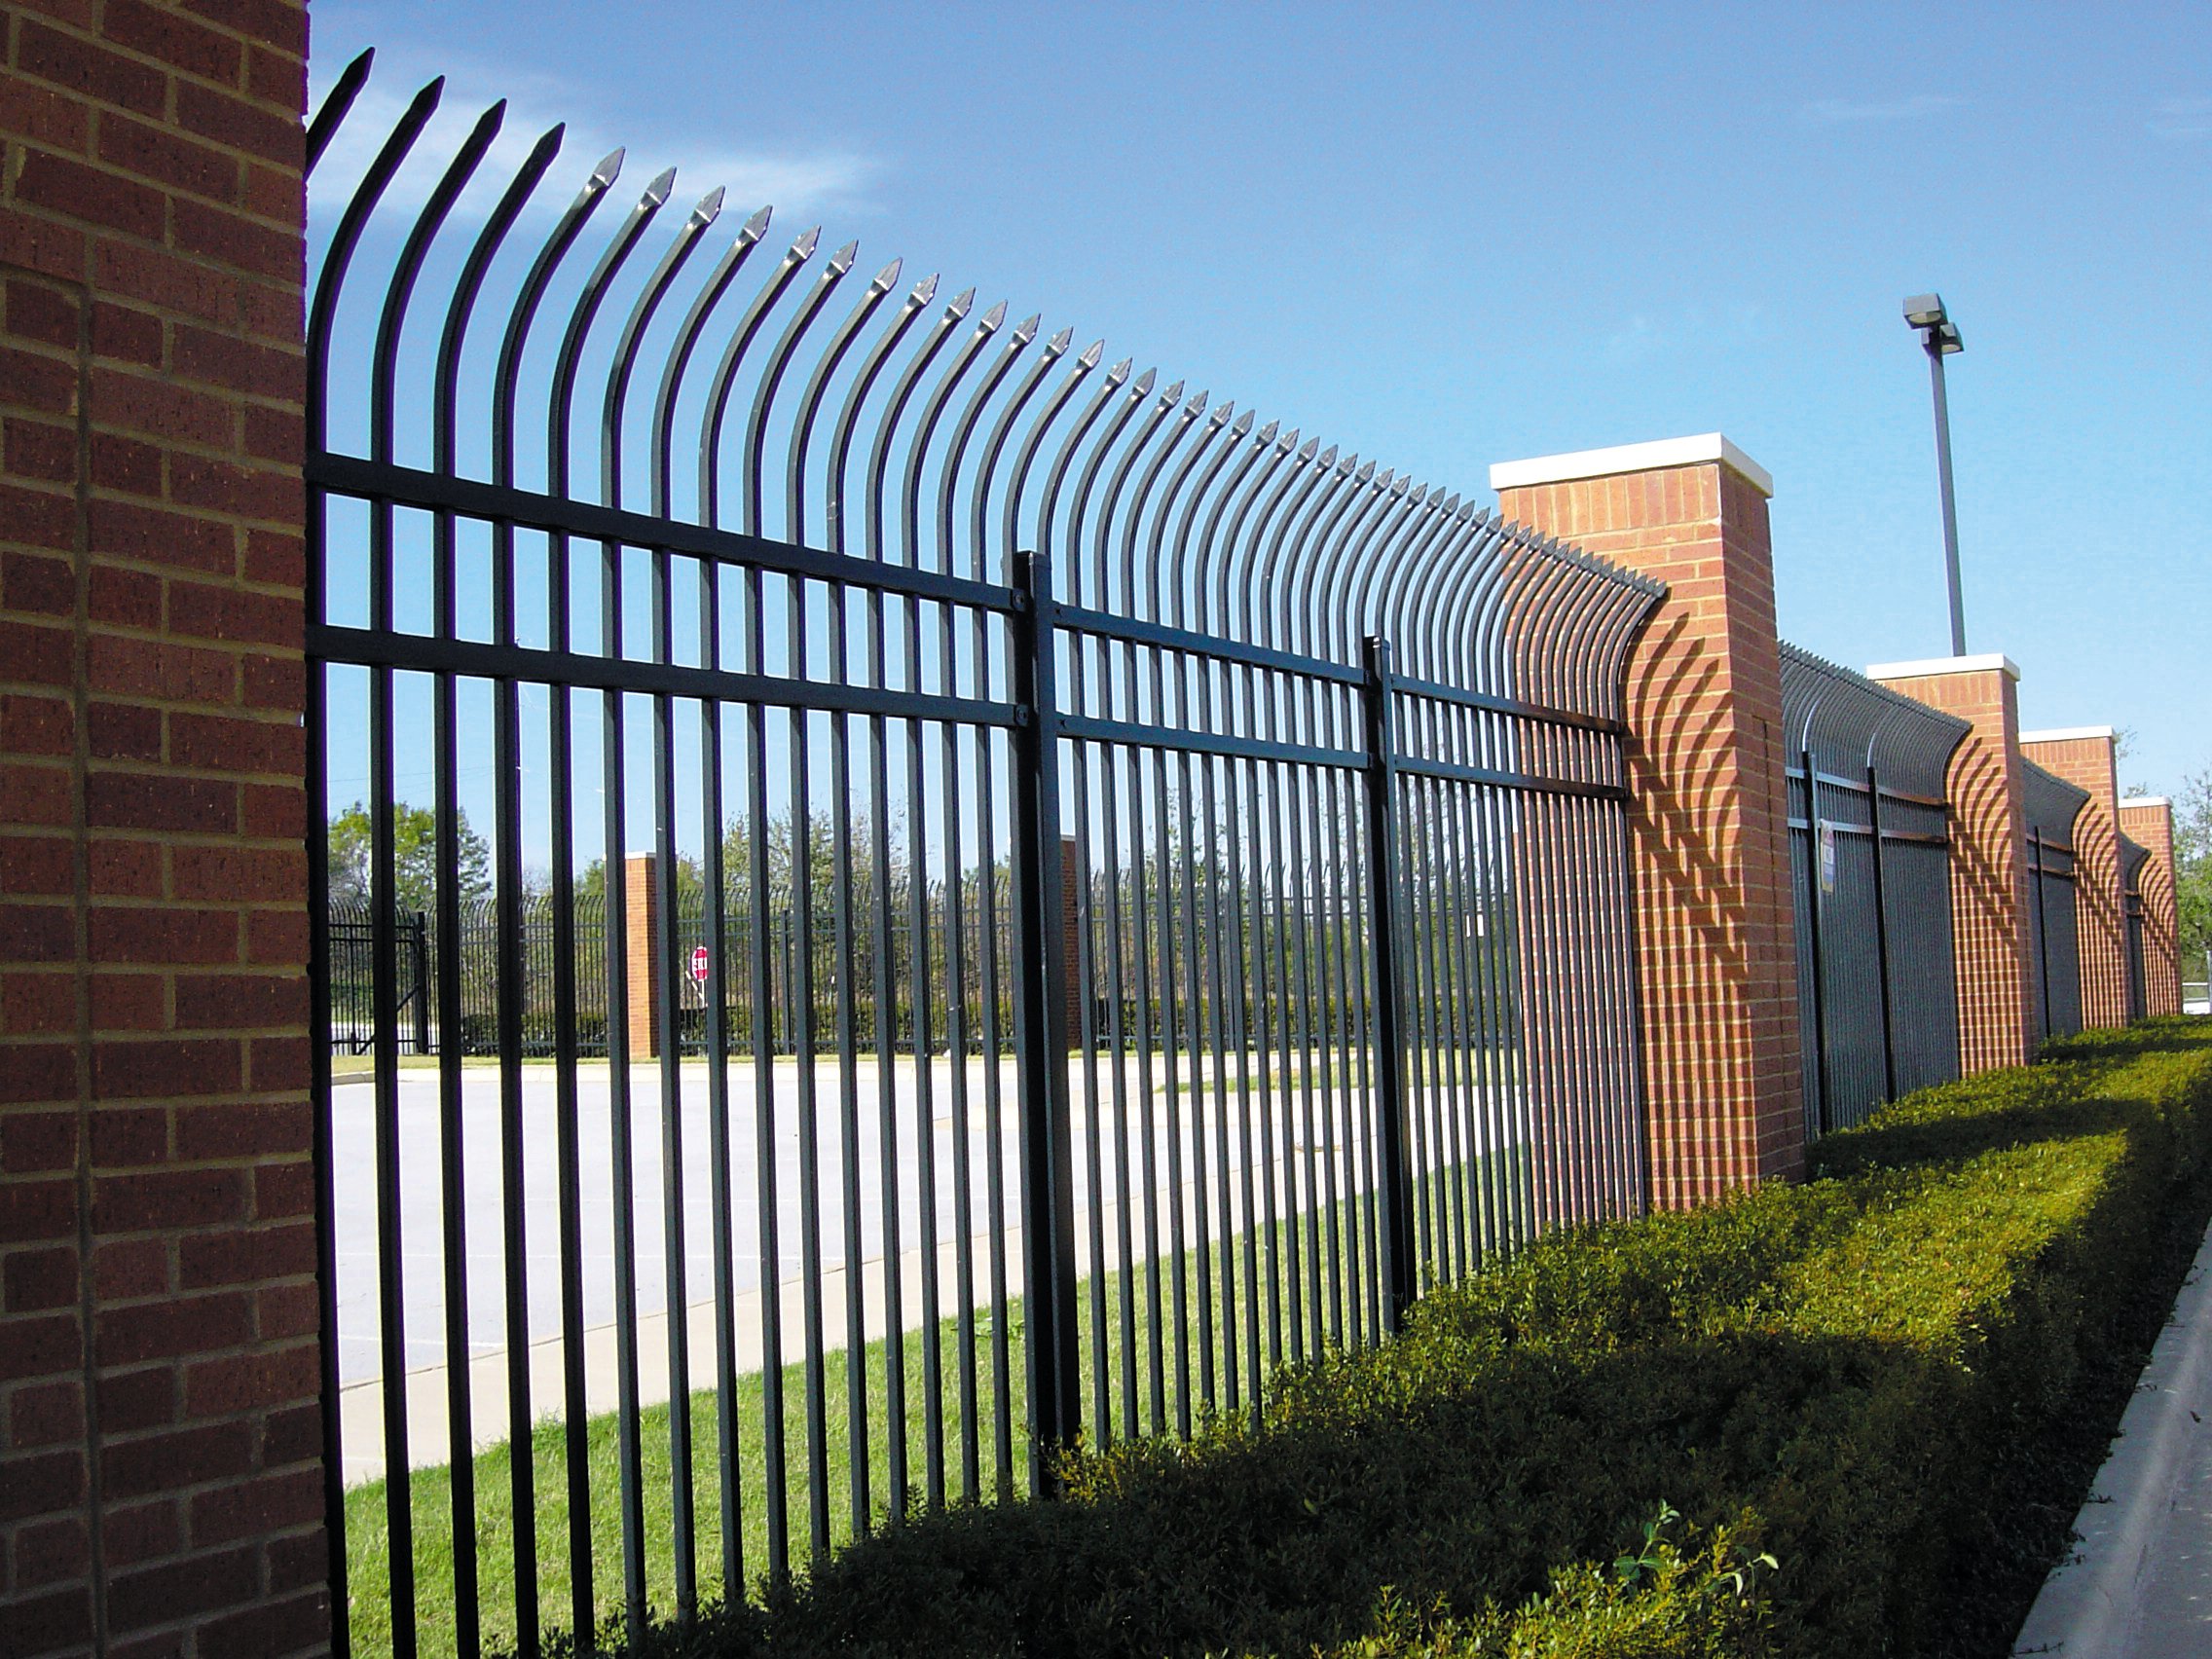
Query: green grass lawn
{"x":369,"y":1568}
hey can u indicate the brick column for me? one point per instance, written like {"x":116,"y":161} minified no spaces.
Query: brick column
{"x":2148,"y":822}
{"x":160,"y":1484}
{"x":641,"y":933}
{"x":2084,"y":756}
{"x":1717,"y":964}
{"x":1993,"y":939}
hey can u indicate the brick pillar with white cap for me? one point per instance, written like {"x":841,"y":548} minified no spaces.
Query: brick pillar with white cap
{"x":1992,"y":940}
{"x":2088,"y":758}
{"x":1709,"y":823}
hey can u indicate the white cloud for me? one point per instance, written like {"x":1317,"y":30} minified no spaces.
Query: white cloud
{"x":2183,"y":117}
{"x":797,"y":183}
{"x":1834,"y":111}
{"x":1639,"y":339}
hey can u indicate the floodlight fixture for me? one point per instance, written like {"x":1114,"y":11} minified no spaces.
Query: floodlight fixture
{"x":1939,"y":338}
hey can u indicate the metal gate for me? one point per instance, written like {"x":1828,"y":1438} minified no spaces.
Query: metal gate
{"x":850,"y":605}
{"x":2050,"y":805}
{"x":1877,"y":984}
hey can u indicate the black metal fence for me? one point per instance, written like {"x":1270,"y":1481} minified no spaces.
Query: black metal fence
{"x":350,"y":993}
{"x":2050,"y":805}
{"x":1352,"y":1000}
{"x":2132,"y":859}
{"x":1877,"y":984}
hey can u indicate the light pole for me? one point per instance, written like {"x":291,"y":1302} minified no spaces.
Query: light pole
{"x":1940,"y":337}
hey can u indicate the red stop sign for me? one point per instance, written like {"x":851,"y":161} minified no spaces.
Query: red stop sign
{"x":699,"y":963}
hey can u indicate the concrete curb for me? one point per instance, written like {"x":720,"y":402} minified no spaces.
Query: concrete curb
{"x":2089,"y":1604}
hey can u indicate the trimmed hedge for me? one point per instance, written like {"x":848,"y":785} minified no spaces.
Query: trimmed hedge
{"x":1830,"y":1377}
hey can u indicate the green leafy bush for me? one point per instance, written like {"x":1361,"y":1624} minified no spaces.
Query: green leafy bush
{"x":1829,"y":1381}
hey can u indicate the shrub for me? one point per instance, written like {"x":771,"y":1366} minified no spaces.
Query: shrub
{"x":1823,"y":1376}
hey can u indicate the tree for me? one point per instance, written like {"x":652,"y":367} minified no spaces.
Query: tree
{"x":414,"y":857}
{"x":2192,"y":869}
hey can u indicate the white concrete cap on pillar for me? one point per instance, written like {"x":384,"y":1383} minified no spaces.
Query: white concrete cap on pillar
{"x":2066,"y":734}
{"x":1631,"y":457}
{"x":1943,"y":665}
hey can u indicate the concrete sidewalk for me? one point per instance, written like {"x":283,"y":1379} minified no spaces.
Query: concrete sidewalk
{"x":2139,"y":1584}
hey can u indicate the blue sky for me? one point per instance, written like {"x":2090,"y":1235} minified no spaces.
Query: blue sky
{"x":1445,"y":237}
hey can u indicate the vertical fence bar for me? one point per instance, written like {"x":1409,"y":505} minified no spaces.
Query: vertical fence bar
{"x":1395,"y":1173}
{"x":1814,"y":911}
{"x":1048,"y":1179}
{"x":1882,"y":934}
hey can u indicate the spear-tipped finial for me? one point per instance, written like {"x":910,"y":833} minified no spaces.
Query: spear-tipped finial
{"x":1368,"y":471}
{"x":804,"y":247}
{"x":925,"y":290}
{"x":1420,"y":495}
{"x":1172,"y":396}
{"x":841,"y":260}
{"x":657,"y":191}
{"x":1450,"y":503}
{"x":1142,"y":385}
{"x":755,"y":228}
{"x":1328,"y":457}
{"x":886,"y":278}
{"x":1197,"y":404}
{"x":1120,"y":372}
{"x":960,"y":303}
{"x":609,"y":166}
{"x":992,"y":318}
{"x":1268,"y":433}
{"x":1243,"y":425}
{"x":1312,"y":445}
{"x":710,"y":206}
{"x":1027,"y":330}
{"x":1061,"y":341}
{"x":1221,"y":416}
{"x":1091,"y":353}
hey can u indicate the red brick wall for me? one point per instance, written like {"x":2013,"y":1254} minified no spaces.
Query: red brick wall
{"x":2099,"y":913}
{"x":640,"y":934}
{"x":2150,"y":824}
{"x":1709,"y":824}
{"x":160,"y":1472}
{"x":1992,"y":938}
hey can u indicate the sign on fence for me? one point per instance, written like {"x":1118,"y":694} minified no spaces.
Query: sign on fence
{"x":699,"y":963}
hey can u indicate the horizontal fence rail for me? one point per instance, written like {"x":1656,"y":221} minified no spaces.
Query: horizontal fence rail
{"x":2051,"y":806}
{"x":956,"y":901}
{"x":1871,"y":868}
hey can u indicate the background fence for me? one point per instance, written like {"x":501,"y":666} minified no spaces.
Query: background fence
{"x":2051,"y":806}
{"x":2132,"y":859}
{"x":1350,"y":1005}
{"x":1877,"y":980}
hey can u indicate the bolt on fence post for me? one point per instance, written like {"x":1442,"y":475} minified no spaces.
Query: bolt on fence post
{"x":1040,"y":989}
{"x":1394,"y":1176}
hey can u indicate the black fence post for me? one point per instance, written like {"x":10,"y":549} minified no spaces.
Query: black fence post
{"x":1048,"y":1151}
{"x":1816,"y":893}
{"x":2043,"y":940}
{"x":1882,"y":934}
{"x":419,"y":956}
{"x":1395,"y":1175}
